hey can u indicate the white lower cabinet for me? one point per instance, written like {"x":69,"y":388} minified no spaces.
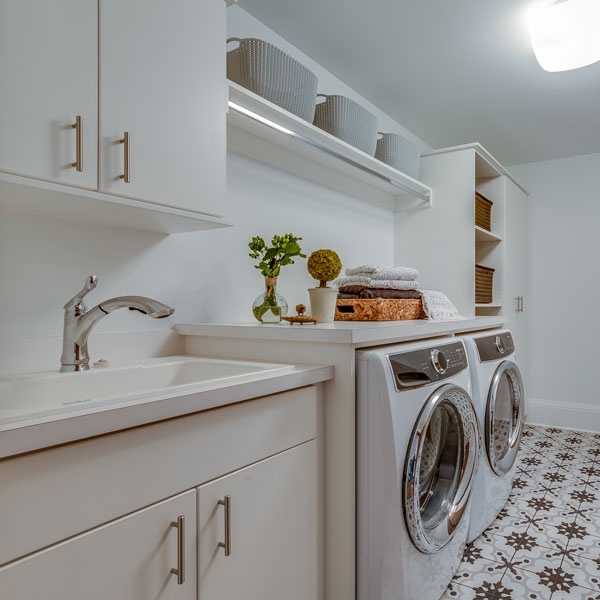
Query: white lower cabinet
{"x":265,"y":518}
{"x":128,"y":559}
{"x":72,"y":526}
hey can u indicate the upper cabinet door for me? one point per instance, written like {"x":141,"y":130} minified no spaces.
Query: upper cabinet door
{"x":48,"y":77}
{"x":127,"y":559}
{"x":162,"y":81}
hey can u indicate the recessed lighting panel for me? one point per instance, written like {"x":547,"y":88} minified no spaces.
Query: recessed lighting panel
{"x":565,"y":34}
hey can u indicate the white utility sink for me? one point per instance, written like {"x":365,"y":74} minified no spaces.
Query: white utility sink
{"x":40,"y":394}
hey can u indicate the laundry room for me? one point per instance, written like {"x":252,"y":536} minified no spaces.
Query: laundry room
{"x":293,"y":300}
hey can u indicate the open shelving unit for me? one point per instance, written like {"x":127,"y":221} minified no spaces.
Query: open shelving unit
{"x":489,"y":250}
{"x":333,"y":160}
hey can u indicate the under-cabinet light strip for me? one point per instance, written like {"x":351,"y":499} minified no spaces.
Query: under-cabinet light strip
{"x":257,"y":117}
{"x":305,"y":140}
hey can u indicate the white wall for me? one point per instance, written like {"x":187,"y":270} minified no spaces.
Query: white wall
{"x":565,"y":288}
{"x":206,"y":276}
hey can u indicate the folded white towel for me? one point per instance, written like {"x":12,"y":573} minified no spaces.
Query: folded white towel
{"x":388,"y":284}
{"x":438,"y":307}
{"x":402,"y":273}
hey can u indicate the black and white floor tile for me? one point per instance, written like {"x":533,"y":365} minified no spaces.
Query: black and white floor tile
{"x":545,"y":544}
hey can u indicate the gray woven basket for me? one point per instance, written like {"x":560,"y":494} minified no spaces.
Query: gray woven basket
{"x":269,"y":72}
{"x":348,"y":121}
{"x":399,"y":153}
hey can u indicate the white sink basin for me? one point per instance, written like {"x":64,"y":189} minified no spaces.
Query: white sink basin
{"x":41,"y":394}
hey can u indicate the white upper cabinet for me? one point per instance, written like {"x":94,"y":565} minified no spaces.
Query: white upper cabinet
{"x":162,"y":80}
{"x":48,"y":77}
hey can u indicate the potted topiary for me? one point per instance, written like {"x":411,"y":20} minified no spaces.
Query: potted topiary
{"x":324,"y":266}
{"x":269,"y":306}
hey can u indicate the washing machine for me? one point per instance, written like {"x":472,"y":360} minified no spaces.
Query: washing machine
{"x":499,"y":401}
{"x":418,"y":446}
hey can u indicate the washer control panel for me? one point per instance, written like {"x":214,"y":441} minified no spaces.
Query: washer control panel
{"x":495,"y":347}
{"x":427,"y":365}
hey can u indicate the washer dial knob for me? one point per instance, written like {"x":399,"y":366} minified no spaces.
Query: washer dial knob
{"x":439,"y":361}
{"x":500,"y":345}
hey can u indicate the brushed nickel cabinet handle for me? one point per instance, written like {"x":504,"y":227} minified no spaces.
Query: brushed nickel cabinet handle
{"x":78,"y":127}
{"x":522,"y":307}
{"x":518,"y":307}
{"x":226,"y":545}
{"x":125,"y":141}
{"x":180,"y":570}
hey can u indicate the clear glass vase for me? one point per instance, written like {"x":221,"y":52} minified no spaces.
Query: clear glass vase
{"x":269,"y":306}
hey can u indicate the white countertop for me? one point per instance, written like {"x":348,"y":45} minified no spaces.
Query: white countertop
{"x":42,"y":432}
{"x":342,"y":332}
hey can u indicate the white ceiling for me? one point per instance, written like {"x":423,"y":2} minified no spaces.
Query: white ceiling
{"x":451,"y":72}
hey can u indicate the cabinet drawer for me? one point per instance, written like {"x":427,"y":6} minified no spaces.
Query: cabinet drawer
{"x":66,"y":490}
{"x":128,"y":559}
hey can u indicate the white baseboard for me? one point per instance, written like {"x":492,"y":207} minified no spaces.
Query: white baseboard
{"x":569,"y":415}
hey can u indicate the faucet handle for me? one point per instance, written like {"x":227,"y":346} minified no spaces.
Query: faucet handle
{"x":77,"y":300}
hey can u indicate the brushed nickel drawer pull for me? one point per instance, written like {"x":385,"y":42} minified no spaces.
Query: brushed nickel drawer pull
{"x":180,"y":570}
{"x":226,"y":545}
{"x":125,"y":141}
{"x":78,"y":127}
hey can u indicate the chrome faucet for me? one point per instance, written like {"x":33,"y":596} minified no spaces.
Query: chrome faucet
{"x":79,"y":322}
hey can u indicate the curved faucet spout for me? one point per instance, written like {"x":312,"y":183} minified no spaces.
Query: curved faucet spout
{"x":147,"y":306}
{"x":79,"y":322}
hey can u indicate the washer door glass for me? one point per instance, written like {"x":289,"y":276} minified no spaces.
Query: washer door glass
{"x":504,"y":421}
{"x":440,"y":468}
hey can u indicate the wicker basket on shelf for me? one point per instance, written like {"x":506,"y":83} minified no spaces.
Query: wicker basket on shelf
{"x":483,"y":212}
{"x":484,"y":284}
{"x":379,"y":309}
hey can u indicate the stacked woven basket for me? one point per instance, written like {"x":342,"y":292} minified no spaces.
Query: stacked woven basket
{"x":276,"y":76}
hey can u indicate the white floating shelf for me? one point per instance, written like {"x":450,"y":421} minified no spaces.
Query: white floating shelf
{"x":263,"y":119}
{"x":46,"y":199}
{"x":483,"y":235}
{"x":488,"y":305}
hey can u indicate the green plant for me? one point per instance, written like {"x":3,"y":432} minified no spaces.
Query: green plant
{"x":282,"y":249}
{"x":324,"y":266}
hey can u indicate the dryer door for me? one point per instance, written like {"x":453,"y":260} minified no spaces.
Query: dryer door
{"x":504,"y":422}
{"x":440,"y":467}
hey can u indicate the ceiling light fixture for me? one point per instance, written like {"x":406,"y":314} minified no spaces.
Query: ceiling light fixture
{"x":565,"y":34}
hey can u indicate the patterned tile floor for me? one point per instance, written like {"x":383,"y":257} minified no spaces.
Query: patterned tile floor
{"x":545,"y":544}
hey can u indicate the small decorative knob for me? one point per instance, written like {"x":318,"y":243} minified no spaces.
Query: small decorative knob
{"x":300,"y":309}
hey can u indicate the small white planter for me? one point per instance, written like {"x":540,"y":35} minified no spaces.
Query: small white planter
{"x":322,"y":303}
